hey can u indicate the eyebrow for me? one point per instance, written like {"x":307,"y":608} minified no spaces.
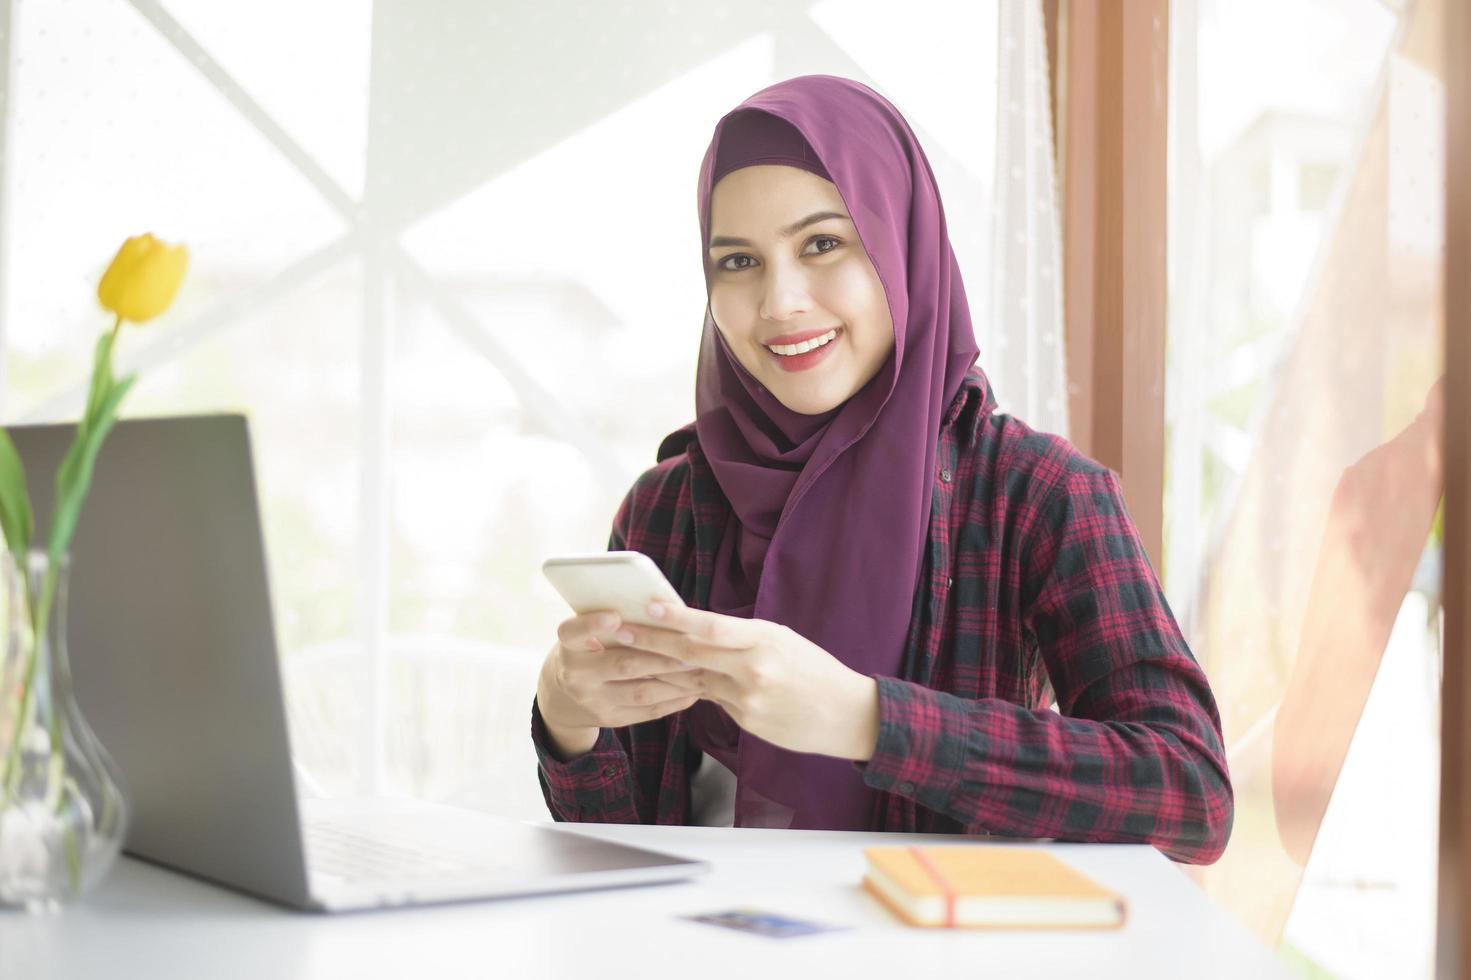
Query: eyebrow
{"x":786,"y":232}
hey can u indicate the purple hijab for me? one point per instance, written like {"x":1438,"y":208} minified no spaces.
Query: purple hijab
{"x":829,"y":513}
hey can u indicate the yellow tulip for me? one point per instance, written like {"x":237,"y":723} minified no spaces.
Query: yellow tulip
{"x":143,"y":278}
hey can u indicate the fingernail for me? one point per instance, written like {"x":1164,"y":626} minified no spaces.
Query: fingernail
{"x":607,"y":621}
{"x":656,"y":610}
{"x":623,"y":636}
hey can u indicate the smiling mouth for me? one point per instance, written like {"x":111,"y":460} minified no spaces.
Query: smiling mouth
{"x":815,"y":343}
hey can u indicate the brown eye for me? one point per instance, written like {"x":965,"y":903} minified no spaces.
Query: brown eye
{"x":739,"y":255}
{"x":721,"y":264}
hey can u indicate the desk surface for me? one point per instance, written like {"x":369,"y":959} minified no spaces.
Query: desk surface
{"x":147,"y":922}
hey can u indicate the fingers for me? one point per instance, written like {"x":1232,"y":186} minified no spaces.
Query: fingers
{"x":643,"y":693}
{"x":710,"y":628}
{"x":603,"y":653}
{"x":611,"y":682}
{"x":711,"y":685}
{"x":631,"y":702}
{"x":624,"y":665}
{"x":588,"y":631}
{"x":632,"y":716}
{"x":684,"y":647}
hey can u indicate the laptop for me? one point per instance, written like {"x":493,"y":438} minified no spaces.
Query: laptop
{"x":174,"y":662}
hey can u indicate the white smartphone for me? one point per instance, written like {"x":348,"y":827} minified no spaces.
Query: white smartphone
{"x":623,"y":581}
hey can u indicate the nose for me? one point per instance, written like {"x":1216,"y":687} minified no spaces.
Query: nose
{"x":785,"y":293}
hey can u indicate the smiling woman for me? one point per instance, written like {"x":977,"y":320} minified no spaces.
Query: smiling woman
{"x":887,"y":579}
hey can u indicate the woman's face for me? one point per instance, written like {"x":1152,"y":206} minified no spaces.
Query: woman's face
{"x":786,"y":267}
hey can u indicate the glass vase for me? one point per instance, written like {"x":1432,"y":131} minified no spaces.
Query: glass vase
{"x":63,"y":812}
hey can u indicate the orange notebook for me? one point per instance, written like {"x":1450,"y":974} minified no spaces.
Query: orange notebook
{"x":984,"y":886}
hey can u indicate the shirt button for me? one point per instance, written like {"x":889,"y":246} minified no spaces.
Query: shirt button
{"x":906,"y":788}
{"x":945,"y":475}
{"x":949,"y":582}
{"x":610,"y":772}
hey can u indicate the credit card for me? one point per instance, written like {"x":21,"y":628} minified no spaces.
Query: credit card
{"x":770,"y":924}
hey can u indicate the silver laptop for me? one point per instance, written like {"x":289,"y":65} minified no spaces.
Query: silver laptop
{"x":174,"y":659}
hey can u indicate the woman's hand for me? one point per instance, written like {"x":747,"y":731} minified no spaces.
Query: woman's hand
{"x":591,"y":680}
{"x":773,"y":682}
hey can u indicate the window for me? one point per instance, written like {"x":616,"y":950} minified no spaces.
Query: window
{"x":453,"y":280}
{"x":1306,"y":241}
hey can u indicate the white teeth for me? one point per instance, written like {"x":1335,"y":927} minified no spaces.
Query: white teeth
{"x":787,"y":350}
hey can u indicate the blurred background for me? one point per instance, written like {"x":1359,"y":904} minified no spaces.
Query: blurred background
{"x":446,"y":258}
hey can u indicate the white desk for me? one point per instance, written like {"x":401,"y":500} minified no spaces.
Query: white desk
{"x":152,"y":924}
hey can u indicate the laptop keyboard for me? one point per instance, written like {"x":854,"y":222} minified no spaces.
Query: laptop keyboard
{"x":345,"y":853}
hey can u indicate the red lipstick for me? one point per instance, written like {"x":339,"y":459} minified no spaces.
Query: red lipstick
{"x":814,"y":357}
{"x":796,"y":338}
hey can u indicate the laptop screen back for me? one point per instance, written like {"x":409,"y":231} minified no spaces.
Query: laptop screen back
{"x":172,"y":646}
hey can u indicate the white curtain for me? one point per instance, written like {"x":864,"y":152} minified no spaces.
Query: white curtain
{"x":1021,"y":339}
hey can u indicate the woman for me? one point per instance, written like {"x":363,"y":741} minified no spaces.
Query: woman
{"x":887,"y":580}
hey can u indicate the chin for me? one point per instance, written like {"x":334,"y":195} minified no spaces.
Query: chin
{"x":813,"y":403}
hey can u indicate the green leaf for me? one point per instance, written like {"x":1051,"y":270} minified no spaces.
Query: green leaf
{"x":72,"y":491}
{"x":15,"y":502}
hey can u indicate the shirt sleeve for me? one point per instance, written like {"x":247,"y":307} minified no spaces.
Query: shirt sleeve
{"x":1134,"y":752}
{"x":595,"y":787}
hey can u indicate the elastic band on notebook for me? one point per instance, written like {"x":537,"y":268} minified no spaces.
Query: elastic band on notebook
{"x":945,"y":888}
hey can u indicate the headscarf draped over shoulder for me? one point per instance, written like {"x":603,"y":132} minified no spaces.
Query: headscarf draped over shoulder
{"x":829,"y":513}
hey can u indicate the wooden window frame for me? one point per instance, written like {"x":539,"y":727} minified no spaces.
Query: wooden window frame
{"x":1110,"y":88}
{"x":1453,"y":926}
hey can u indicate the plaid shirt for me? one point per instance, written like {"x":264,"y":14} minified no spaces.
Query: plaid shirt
{"x":1035,"y":583}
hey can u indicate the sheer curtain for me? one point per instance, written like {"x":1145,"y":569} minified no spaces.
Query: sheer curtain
{"x":1306,"y":354}
{"x":1020,"y":331}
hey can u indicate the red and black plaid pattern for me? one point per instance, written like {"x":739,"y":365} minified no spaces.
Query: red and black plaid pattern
{"x":1035,"y":585}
